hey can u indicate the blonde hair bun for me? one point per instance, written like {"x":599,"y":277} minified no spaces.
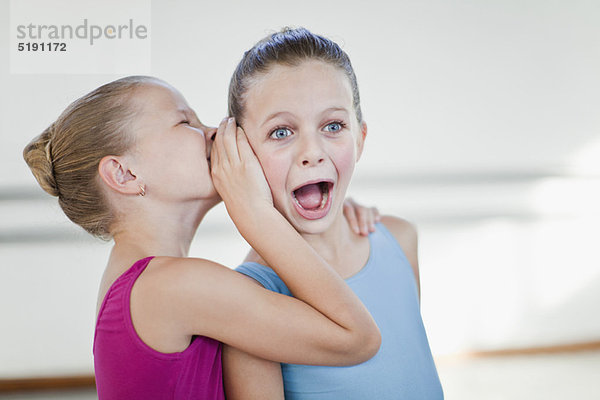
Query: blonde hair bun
{"x":64,"y":159}
{"x":38,"y":156}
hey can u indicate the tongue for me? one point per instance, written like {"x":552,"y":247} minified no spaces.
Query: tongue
{"x":309,"y":196}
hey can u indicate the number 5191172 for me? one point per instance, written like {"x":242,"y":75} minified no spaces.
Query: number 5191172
{"x":44,"y":46}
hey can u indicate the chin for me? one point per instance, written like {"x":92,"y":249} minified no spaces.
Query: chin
{"x":312,"y":226}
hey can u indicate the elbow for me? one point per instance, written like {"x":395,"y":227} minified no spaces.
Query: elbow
{"x":363,"y":346}
{"x":371,"y":343}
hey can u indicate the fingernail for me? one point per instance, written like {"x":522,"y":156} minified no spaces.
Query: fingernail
{"x":230,"y":120}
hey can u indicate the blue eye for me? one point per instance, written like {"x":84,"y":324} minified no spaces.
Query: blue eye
{"x":334,"y":127}
{"x":280,"y":133}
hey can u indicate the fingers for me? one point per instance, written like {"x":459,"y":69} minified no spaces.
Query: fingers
{"x":367,"y":218}
{"x":225,"y":141}
{"x":229,"y":140}
{"x":217,"y":151}
{"x":349,"y":213}
{"x":365,"y":221}
{"x":361,"y":219}
{"x":373,"y":218}
{"x":243,"y":145}
{"x":376,"y":215}
{"x":237,"y":174}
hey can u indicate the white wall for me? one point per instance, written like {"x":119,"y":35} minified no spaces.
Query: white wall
{"x":483,"y":129}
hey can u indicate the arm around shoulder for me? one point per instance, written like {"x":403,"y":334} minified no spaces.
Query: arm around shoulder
{"x":211,"y":300}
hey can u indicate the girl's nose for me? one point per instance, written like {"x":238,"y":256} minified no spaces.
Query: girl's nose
{"x":311,"y":153}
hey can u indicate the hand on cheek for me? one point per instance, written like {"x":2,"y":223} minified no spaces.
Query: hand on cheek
{"x":236,"y":172}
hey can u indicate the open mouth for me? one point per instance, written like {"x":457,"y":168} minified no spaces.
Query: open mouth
{"x":313,"y":200}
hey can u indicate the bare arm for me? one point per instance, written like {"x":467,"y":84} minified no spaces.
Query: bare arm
{"x":247,"y":377}
{"x":199,"y":297}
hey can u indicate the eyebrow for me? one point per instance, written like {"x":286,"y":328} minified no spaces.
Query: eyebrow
{"x":281,"y":113}
{"x":275,"y":115}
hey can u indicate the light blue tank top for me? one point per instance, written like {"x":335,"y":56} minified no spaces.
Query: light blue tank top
{"x":403,"y":368}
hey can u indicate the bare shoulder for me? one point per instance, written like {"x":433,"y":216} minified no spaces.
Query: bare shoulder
{"x":171,"y":295}
{"x":404,"y":231}
{"x":406,"y":235}
{"x":175,"y":290}
{"x":167,"y":266}
{"x":185,"y":279}
{"x":173,"y":272}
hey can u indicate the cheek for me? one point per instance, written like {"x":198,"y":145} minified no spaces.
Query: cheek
{"x":344,"y":158}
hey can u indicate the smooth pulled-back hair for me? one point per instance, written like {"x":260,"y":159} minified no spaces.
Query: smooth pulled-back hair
{"x":65,"y":157}
{"x":287,"y":47}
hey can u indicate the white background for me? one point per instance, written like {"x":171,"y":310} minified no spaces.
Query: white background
{"x":484,"y":130}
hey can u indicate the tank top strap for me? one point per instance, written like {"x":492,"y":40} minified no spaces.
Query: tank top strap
{"x":388,"y":241}
{"x":136,"y":269}
{"x":119,"y":291}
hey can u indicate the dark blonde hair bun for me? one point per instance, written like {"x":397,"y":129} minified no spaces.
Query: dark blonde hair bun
{"x":38,"y":156}
{"x":65,"y":157}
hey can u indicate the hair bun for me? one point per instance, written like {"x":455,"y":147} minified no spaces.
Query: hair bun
{"x":38,"y":156}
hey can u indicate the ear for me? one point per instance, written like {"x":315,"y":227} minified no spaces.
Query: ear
{"x":115,"y":173}
{"x":360,"y":140}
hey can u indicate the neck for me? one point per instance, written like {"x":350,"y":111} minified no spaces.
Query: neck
{"x":333,"y":243}
{"x":165,"y":230}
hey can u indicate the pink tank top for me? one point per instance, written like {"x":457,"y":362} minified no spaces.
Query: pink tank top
{"x":127,"y":368}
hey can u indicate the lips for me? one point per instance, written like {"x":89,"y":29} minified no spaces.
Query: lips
{"x":313,"y":199}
